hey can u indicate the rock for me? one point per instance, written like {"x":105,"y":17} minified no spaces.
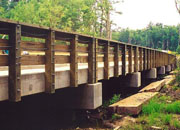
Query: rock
{"x":156,"y":128}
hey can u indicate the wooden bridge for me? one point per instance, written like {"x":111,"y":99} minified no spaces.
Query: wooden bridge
{"x":59,"y":59}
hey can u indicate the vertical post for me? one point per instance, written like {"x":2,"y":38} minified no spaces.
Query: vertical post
{"x":92,"y":62}
{"x":154,"y":58}
{"x":74,"y":62}
{"x":140,"y":59}
{"x":106,"y":61}
{"x":50,"y":63}
{"x":148,"y":59}
{"x":130,"y":58}
{"x":145,"y":59}
{"x":124,"y":48}
{"x":116,"y":60}
{"x":136,"y":59}
{"x":14,"y":80}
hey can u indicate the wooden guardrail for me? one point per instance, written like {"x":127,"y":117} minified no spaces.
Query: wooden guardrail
{"x":78,"y":48}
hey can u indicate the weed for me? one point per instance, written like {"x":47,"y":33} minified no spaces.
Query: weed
{"x":114,"y":99}
{"x":155,"y":106}
{"x":176,"y":124}
{"x":166,"y":119}
{"x":173,"y":107}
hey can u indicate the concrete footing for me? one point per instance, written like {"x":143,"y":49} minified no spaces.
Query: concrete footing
{"x":88,"y":96}
{"x":168,"y":68}
{"x":161,"y":70}
{"x":172,"y":67}
{"x":134,"y":79}
{"x":151,"y":74}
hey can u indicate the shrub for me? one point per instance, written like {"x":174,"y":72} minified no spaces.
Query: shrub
{"x":178,"y":49}
{"x":114,"y":99}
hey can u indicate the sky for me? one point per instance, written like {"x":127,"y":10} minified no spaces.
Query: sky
{"x":138,"y":13}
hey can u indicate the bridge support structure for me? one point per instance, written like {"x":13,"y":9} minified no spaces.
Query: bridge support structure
{"x":161,"y":70}
{"x":134,"y":79}
{"x":168,"y":68}
{"x":151,"y":74}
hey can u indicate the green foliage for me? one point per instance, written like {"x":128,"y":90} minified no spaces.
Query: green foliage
{"x":178,"y":49}
{"x":114,"y":99}
{"x":155,"y":106}
{"x":176,"y":124}
{"x":155,"y":36}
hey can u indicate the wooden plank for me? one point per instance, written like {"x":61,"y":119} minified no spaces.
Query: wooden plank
{"x":136,"y":54}
{"x":92,"y":62}
{"x":154,"y":58}
{"x":145,"y":59}
{"x":153,"y":87}
{"x":74,"y":62}
{"x":14,"y":82}
{"x":4,"y":60}
{"x":106,"y":60}
{"x":116,"y":60}
{"x":4,"y":44}
{"x":133,"y":104}
{"x":50,"y":63}
{"x":130,"y":59}
{"x":140,"y":59}
{"x":124,"y":48}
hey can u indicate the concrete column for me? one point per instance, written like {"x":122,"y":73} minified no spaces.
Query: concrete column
{"x":161,"y":70}
{"x":134,"y":79}
{"x":151,"y":74}
{"x":168,"y":68}
{"x":88,"y":96}
{"x":172,"y":67}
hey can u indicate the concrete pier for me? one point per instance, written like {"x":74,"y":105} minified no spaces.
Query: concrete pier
{"x":168,"y":68}
{"x":151,"y":74}
{"x":87,"y":96}
{"x":134,"y":79}
{"x":161,"y":70}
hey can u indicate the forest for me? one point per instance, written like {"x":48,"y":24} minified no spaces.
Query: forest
{"x":92,"y":17}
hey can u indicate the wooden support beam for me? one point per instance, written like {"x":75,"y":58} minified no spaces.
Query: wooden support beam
{"x":50,"y":63}
{"x":92,"y":61}
{"x":15,"y":64}
{"x":145,"y":59}
{"x":106,"y":60}
{"x":124,"y":48}
{"x":116,"y":60}
{"x":136,"y":55}
{"x":130,"y":59}
{"x":140,"y":59}
{"x":148,"y":59}
{"x":74,"y":62}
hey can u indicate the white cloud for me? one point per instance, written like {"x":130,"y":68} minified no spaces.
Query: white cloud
{"x":138,"y":13}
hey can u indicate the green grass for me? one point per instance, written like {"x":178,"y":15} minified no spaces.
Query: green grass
{"x":176,"y":124}
{"x":159,"y":105}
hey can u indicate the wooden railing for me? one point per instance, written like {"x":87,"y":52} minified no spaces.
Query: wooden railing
{"x":77,"y":48}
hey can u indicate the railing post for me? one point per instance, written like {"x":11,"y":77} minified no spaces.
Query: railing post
{"x":116,"y":60}
{"x":92,"y":62}
{"x":130,"y":58}
{"x":148,"y":59}
{"x":145,"y":59}
{"x":74,"y":62}
{"x":124,"y":48}
{"x":50,"y":63}
{"x":154,"y":58}
{"x":14,"y":81}
{"x":140,"y":59}
{"x":136,"y":55}
{"x":106,"y":60}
